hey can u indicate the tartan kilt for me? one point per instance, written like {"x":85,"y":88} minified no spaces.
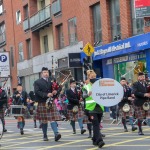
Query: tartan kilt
{"x":43,"y":114}
{"x":140,"y":113}
{"x":1,"y":113}
{"x":32,"y":111}
{"x":125,"y":114}
{"x":72,"y":116}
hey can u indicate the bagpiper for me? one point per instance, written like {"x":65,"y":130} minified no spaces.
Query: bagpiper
{"x":45,"y":112}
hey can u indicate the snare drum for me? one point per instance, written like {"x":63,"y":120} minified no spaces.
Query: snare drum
{"x":16,"y":110}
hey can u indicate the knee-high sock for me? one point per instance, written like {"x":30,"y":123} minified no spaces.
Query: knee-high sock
{"x":3,"y":122}
{"x":73,"y":125}
{"x":140,"y":125}
{"x":124,"y":123}
{"x":54,"y":127}
{"x":44,"y":129}
{"x":131,"y":121}
{"x":80,"y":122}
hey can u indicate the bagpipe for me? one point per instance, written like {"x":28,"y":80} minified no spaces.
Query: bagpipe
{"x":56,"y":87}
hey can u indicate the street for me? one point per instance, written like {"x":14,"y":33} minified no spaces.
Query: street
{"x":115,"y":138}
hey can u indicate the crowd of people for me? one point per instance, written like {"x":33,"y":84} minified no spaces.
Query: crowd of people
{"x":49,"y":103}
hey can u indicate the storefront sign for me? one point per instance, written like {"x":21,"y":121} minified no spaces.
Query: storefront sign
{"x":121,"y":59}
{"x":112,"y":49}
{"x":123,"y":47}
{"x":4,"y":65}
{"x":142,"y":8}
{"x":107,"y":92}
{"x":74,"y":60}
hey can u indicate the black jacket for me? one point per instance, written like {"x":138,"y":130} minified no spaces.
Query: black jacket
{"x":127,"y":93}
{"x":139,"y":90}
{"x":19,"y":100}
{"x":73,"y":98}
{"x":3,"y":98}
{"x":41,"y":89}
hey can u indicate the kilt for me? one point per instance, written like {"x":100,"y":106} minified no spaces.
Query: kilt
{"x":33,"y":110}
{"x":72,"y":116}
{"x":1,"y":113}
{"x":140,"y":113}
{"x":43,"y":114}
{"x":125,"y":114}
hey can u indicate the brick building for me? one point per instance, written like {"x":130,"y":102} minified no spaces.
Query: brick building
{"x":44,"y":32}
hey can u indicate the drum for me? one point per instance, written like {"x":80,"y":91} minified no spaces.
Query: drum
{"x":16,"y":110}
{"x":1,"y":129}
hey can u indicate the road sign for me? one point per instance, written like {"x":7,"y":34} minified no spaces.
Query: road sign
{"x":4,"y":64}
{"x":88,"y":49}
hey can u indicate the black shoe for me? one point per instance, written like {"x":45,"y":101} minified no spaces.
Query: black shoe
{"x":45,"y":139}
{"x":125,"y":130}
{"x":90,"y":136}
{"x":57,"y":137}
{"x":83,"y":131}
{"x":74,"y":132}
{"x":134,"y":128}
{"x":21,"y":131}
{"x":140,"y":133}
{"x":35,"y":126}
{"x":101,"y":144}
{"x":4,"y":130}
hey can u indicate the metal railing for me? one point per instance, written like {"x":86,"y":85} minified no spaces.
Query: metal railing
{"x":40,"y":16}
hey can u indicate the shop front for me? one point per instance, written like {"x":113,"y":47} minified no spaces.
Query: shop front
{"x":124,"y":58}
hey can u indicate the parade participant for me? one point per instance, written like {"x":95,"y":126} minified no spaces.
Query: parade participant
{"x":94,"y":111}
{"x":74,"y":101}
{"x":43,"y":91}
{"x":20,"y":98}
{"x":3,"y":101}
{"x":33,"y":106}
{"x":140,"y":91}
{"x":126,"y":101}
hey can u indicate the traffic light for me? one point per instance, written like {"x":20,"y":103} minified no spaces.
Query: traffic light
{"x":87,"y":64}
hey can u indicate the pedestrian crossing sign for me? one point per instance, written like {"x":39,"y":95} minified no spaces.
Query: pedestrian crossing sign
{"x":88,"y":49}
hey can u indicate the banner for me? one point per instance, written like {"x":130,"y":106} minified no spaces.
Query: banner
{"x":74,"y":60}
{"x":107,"y":92}
{"x":4,"y":65}
{"x":142,"y":8}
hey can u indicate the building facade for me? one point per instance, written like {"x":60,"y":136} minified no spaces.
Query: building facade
{"x":52,"y":33}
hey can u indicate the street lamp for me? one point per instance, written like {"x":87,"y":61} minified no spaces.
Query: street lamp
{"x":52,"y":66}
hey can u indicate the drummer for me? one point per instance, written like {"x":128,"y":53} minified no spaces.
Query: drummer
{"x":20,"y":98}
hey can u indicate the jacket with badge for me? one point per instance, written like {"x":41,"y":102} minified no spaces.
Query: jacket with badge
{"x":127,"y":94}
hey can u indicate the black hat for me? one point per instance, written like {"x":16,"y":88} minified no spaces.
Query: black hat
{"x":122,"y":78}
{"x":19,"y":84}
{"x":141,"y":74}
{"x":44,"y":69}
{"x":72,"y":80}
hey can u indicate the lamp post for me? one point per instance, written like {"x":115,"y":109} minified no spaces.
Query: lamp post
{"x":52,"y":66}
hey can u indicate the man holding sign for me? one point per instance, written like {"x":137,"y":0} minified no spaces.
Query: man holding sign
{"x":95,"y":111}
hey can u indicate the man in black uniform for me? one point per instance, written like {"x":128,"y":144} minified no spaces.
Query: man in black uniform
{"x":140,"y":91}
{"x":3,"y":100}
{"x":127,"y":99}
{"x":43,"y":91}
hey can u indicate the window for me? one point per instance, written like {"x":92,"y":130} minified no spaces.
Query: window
{"x":26,"y":12}
{"x":2,"y":33}
{"x":12,"y":56}
{"x":1,"y":9}
{"x":42,"y":4}
{"x":97,"y":24}
{"x":45,"y":42}
{"x":115,"y":19}
{"x":60,"y":36}
{"x":21,"y":55}
{"x":18,"y":17}
{"x":29,"y":48}
{"x":137,"y":23}
{"x":72,"y":24}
